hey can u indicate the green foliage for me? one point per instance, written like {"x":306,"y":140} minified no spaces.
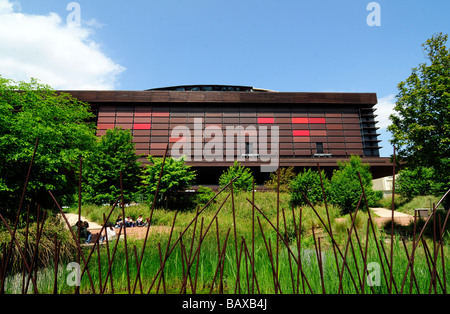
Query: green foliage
{"x":31,"y":111}
{"x":243,"y":175}
{"x":345,"y":188}
{"x":204,"y":195}
{"x":114,"y":154}
{"x":417,"y":181}
{"x":176,"y":176}
{"x":421,"y":123}
{"x":286,"y":176}
{"x":308,"y":182}
{"x":53,"y":226}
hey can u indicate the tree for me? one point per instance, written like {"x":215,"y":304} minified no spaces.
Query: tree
{"x":417,"y":181}
{"x":282,"y":179}
{"x":345,"y":187}
{"x":114,"y":155}
{"x":176,"y":176}
{"x":31,"y":111}
{"x":421,"y":122}
{"x":308,"y":183}
{"x":243,"y":175}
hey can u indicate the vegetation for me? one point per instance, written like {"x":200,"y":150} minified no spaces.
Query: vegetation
{"x":204,"y":195}
{"x":281,"y":179}
{"x":61,"y":126}
{"x":343,"y":189}
{"x":421,"y":122}
{"x":110,"y":167}
{"x":43,"y":233}
{"x":407,"y":206}
{"x":177,"y":176}
{"x":417,"y":181}
{"x":345,"y":186}
{"x":235,"y":270}
{"x":308,"y":183}
{"x":243,"y":178}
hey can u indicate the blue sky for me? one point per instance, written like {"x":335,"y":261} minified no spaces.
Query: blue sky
{"x":305,"y":46}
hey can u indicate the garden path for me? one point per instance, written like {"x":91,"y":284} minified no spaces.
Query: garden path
{"x":385,"y":215}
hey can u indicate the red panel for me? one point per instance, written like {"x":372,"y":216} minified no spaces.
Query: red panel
{"x":299,"y":120}
{"x":142,"y":126}
{"x":266,"y":120}
{"x":301,"y":133}
{"x":317,"y":120}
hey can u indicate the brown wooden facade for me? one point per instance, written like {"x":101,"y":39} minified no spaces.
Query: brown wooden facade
{"x":313,"y":127}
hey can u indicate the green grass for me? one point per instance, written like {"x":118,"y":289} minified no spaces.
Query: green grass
{"x":207,"y":265}
{"x":273,"y":253}
{"x":407,"y":206}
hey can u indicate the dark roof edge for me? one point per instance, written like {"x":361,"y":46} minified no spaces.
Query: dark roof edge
{"x":224,"y":97}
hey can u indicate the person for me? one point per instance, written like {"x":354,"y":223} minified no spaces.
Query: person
{"x":109,"y":233}
{"x":140,"y":222}
{"x":85,"y":235}
{"x":119,"y":221}
{"x":78,"y":226}
{"x":88,"y":234}
{"x":129,"y":222}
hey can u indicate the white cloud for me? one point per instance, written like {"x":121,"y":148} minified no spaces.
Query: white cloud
{"x":385,"y":108}
{"x":47,"y":48}
{"x":6,"y":6}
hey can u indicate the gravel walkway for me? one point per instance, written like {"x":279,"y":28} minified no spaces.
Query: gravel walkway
{"x":73,"y":218}
{"x":385,"y":215}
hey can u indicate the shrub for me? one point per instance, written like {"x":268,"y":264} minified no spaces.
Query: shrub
{"x":417,"y":181}
{"x":345,"y":188}
{"x":243,"y":175}
{"x":308,"y":182}
{"x":176,"y":176}
{"x":286,"y":176}
{"x":46,"y":248}
{"x":114,"y":153}
{"x":204,"y":195}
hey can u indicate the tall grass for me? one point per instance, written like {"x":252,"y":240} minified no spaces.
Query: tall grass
{"x":289,"y":258}
{"x":408,"y":206}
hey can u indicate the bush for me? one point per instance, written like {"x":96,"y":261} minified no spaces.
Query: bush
{"x":308,"y":182}
{"x":46,"y":248}
{"x":345,"y":188}
{"x":176,"y":176}
{"x":415,"y":182}
{"x":204,"y":195}
{"x":114,"y":153}
{"x":286,"y":176}
{"x":244,"y":180}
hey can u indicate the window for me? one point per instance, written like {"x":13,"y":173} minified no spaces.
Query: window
{"x":319,"y":148}
{"x":248,"y":148}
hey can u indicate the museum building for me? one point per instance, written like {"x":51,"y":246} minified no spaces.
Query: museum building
{"x":298,"y":129}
